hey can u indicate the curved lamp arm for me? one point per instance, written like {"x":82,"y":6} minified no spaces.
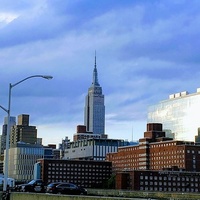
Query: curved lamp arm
{"x":40,"y":76}
{"x":8,"y":125}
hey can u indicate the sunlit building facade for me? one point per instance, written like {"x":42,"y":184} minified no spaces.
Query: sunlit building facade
{"x":156,"y":152}
{"x":179,"y":115}
{"x":92,"y":148}
{"x":22,"y":157}
{"x":157,"y":163}
{"x":23,"y":132}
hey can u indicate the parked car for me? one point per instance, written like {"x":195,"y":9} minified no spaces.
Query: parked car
{"x":65,"y":188}
{"x":51,"y":188}
{"x":33,"y":186}
{"x":10,"y":182}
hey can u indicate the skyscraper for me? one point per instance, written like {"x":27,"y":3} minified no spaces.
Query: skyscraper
{"x":4,"y":132}
{"x":179,"y":115}
{"x":22,"y":132}
{"x":94,"y":118}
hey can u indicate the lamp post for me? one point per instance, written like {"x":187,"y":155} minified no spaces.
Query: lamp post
{"x":8,"y":125}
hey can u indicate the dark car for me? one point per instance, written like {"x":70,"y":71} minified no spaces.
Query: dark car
{"x":66,"y":188}
{"x":32,"y":186}
{"x":51,"y":188}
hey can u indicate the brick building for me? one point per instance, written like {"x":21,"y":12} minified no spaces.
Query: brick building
{"x":156,"y":152}
{"x":164,"y":180}
{"x":157,"y":163}
{"x":89,"y":174}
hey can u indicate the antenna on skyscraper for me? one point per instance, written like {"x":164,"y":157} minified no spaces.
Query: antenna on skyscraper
{"x":95,"y":63}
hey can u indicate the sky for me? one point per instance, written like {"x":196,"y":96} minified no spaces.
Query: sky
{"x":145,"y":50}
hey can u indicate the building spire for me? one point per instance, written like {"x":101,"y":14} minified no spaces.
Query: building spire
{"x":95,"y":63}
{"x":95,"y":74}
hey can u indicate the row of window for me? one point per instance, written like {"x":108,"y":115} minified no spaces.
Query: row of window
{"x":71,"y":165}
{"x":169,"y":189}
{"x":28,"y":157}
{"x":183,"y":184}
{"x":79,"y":169}
{"x":192,"y":151}
{"x":24,"y":172}
{"x":152,"y":146}
{"x":39,"y":151}
{"x":134,"y":150}
{"x":83,"y":174}
{"x":169,"y":178}
{"x":167,"y":153}
{"x":78,"y":177}
{"x":158,"y":167}
{"x":163,"y":162}
{"x":164,"y":145}
{"x":24,"y":167}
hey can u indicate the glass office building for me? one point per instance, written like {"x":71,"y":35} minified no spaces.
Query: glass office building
{"x":180,"y":115}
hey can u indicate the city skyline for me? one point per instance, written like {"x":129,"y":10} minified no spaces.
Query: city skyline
{"x":146,"y":50}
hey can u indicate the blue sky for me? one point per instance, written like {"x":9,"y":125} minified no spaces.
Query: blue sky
{"x":146,"y":50}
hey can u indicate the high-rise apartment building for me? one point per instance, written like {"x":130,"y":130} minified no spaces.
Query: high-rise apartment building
{"x":94,"y":118}
{"x":179,"y":115}
{"x":23,"y":120}
{"x":22,"y":132}
{"x":4,"y":132}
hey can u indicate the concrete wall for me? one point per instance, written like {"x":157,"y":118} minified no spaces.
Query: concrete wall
{"x":106,"y":194}
{"x":31,"y":196}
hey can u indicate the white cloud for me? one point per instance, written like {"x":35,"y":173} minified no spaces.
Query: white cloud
{"x":146,"y":50}
{"x":7,"y":17}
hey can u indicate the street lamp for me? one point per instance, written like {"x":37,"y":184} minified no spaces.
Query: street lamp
{"x":8,"y":125}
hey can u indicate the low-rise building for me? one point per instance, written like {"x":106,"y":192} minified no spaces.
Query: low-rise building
{"x":162,"y":181}
{"x":22,"y":157}
{"x":157,"y":152}
{"x":82,"y":134}
{"x":89,"y":174}
{"x":92,"y":148}
{"x":157,"y":163}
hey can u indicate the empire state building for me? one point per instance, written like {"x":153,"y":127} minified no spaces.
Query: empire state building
{"x":94,"y":115}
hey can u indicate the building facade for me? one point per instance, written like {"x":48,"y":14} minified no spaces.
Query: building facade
{"x":4,"y":132}
{"x":82,"y":134}
{"x":23,"y":132}
{"x":22,"y":157}
{"x":89,"y":174}
{"x":159,"y":181}
{"x":94,"y":112}
{"x":92,"y":148}
{"x":156,"y":152}
{"x":179,"y":115}
{"x":157,"y":163}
